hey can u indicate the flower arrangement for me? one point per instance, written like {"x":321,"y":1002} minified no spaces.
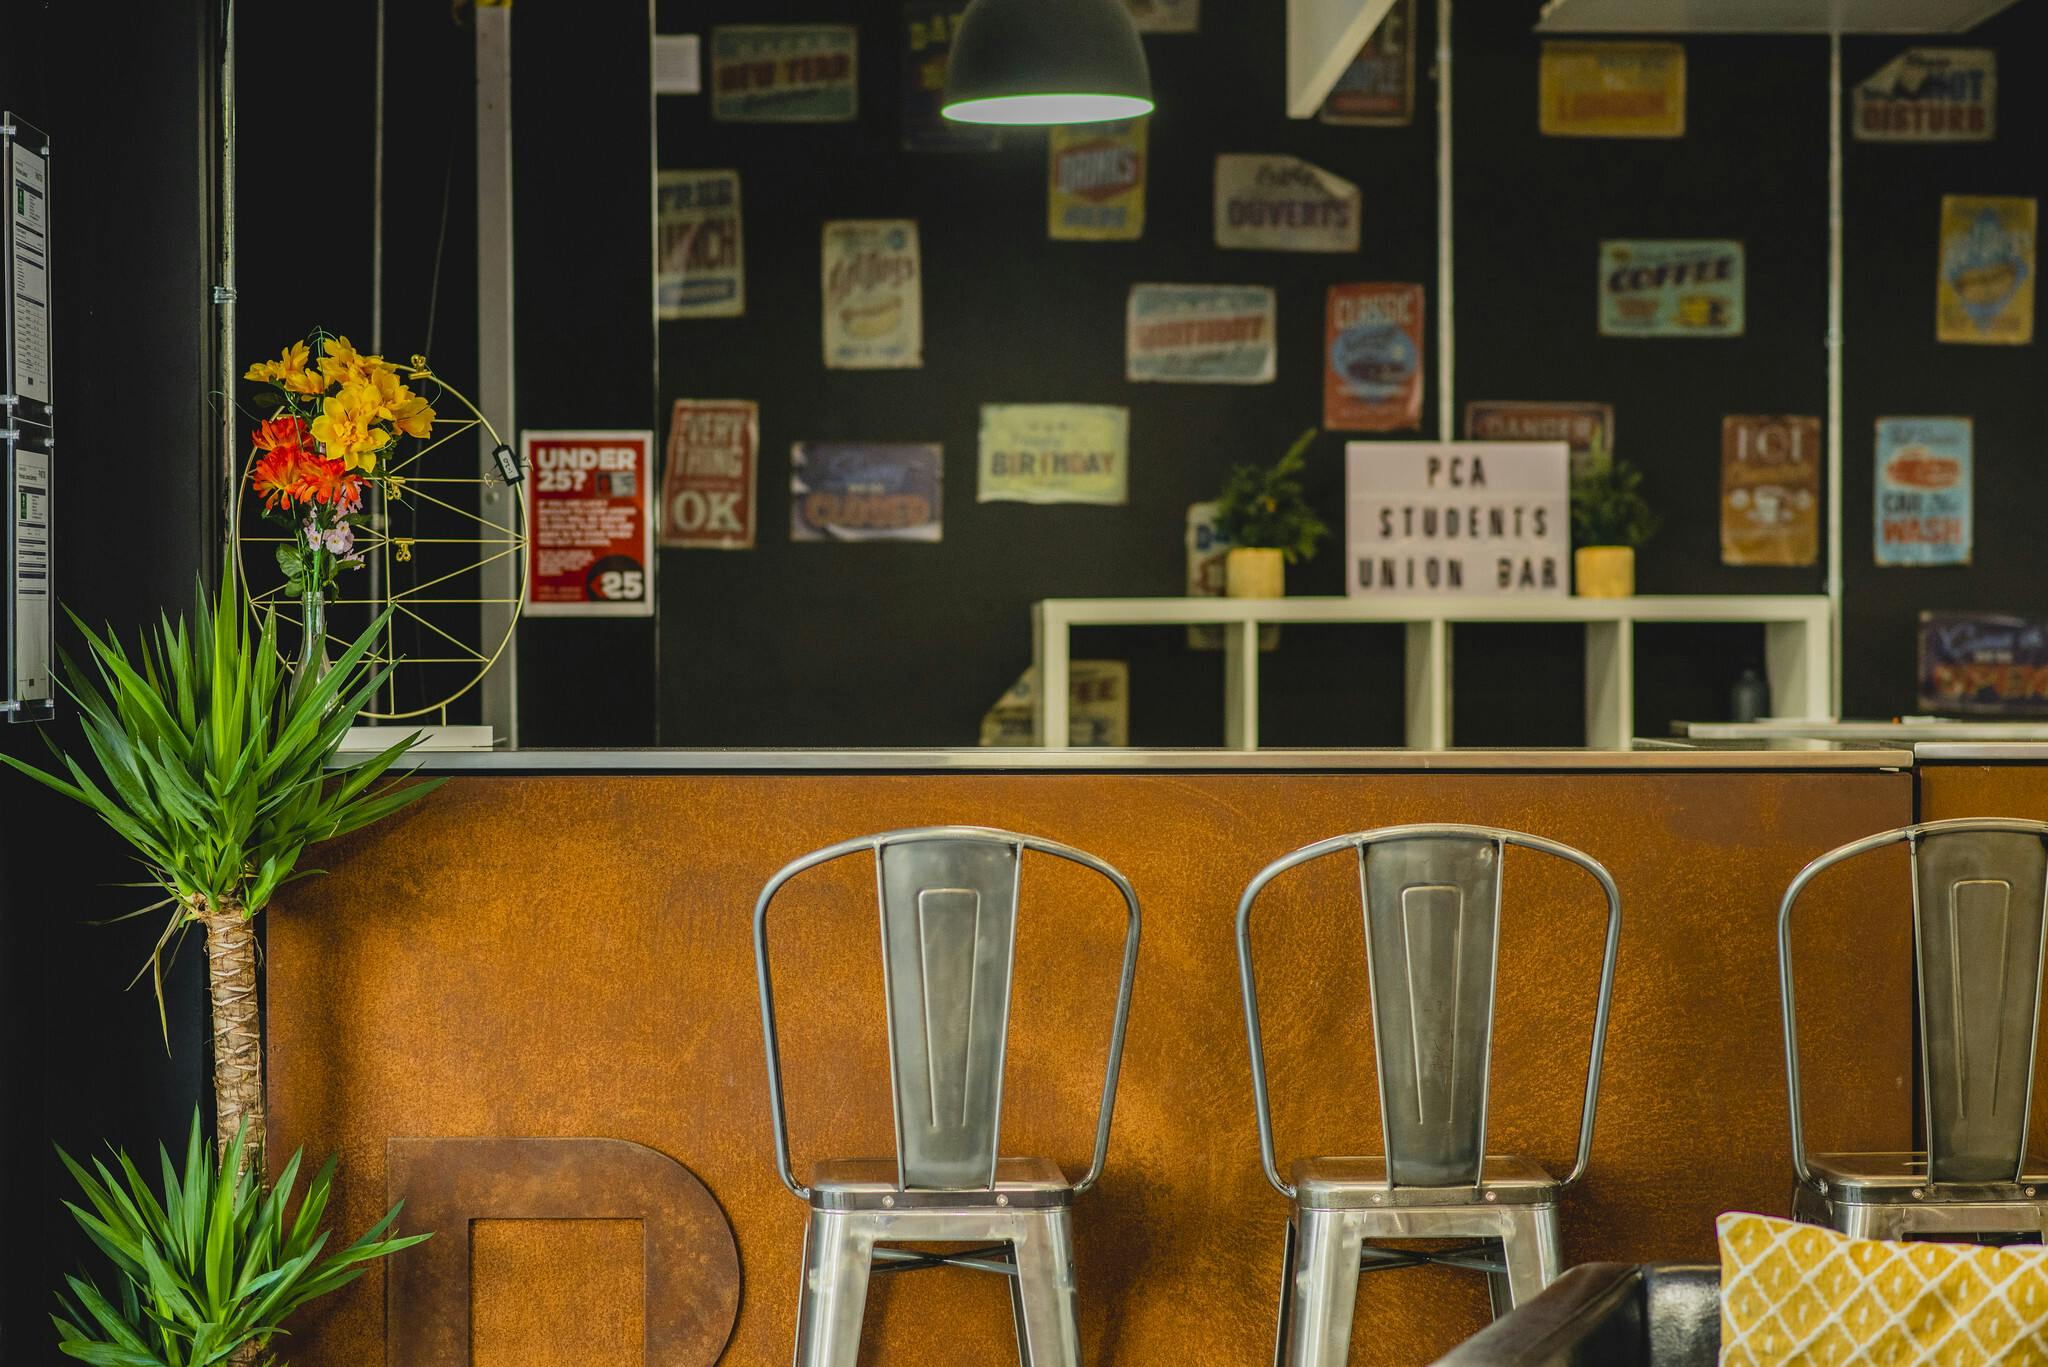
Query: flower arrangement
{"x":334,"y":425}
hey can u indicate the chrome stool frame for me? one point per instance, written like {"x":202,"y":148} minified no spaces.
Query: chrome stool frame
{"x":948,"y":900}
{"x":1432,"y":918}
{"x":1980,"y":910}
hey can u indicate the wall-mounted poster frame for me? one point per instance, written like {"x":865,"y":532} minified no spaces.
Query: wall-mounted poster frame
{"x":588,"y":511}
{"x":28,"y":604}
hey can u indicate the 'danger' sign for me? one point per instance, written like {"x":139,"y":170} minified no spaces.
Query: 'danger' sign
{"x":1457,"y":517}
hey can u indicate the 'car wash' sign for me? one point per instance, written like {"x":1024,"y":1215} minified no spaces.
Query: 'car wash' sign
{"x":1468,"y":517}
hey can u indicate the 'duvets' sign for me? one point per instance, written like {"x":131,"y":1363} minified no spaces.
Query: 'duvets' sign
{"x":586,"y":508}
{"x":1465,"y":517}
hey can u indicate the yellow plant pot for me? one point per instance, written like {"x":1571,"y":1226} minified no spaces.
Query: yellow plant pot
{"x":1255,"y":572}
{"x":1604,"y":571}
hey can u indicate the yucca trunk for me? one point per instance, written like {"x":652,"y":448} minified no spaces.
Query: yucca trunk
{"x":237,"y":1029}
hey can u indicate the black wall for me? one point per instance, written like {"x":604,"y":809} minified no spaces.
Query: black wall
{"x":829,"y":644}
{"x":824,"y":644}
{"x":130,"y":106}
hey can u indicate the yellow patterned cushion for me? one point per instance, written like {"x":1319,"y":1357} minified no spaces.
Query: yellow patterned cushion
{"x":1796,"y":1294}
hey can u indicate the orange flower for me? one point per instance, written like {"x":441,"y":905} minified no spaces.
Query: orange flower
{"x":279,"y":478}
{"x":276,"y":432}
{"x":329,"y":481}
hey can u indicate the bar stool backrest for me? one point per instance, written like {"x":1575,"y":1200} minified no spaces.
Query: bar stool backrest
{"x":1980,"y":907}
{"x":1432,"y":898}
{"x":948,"y":900}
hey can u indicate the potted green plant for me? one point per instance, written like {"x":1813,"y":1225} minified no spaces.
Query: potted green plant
{"x":208,"y":1266}
{"x":1268,"y":522}
{"x":220,"y":771}
{"x":1611,"y":521}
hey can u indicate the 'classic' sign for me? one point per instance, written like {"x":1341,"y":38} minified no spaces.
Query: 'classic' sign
{"x":1466,"y":517}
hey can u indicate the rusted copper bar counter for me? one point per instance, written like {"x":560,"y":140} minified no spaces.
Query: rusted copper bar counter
{"x":559,"y":947}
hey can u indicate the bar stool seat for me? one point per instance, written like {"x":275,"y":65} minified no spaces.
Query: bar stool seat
{"x":873,"y":1184}
{"x":1896,"y":1176}
{"x":1361,"y":1184}
{"x":1889,"y":1196}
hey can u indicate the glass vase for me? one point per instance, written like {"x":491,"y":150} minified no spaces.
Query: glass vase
{"x":312,"y":663}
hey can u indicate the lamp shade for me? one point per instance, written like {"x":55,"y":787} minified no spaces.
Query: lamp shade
{"x":1046,"y":61}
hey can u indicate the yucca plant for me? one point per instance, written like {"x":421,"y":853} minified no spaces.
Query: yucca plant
{"x":208,"y":1271}
{"x":215,"y":763}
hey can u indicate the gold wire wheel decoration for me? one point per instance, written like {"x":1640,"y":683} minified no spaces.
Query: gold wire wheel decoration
{"x":430,"y":574}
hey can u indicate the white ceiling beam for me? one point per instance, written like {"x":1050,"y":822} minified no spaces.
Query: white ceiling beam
{"x":1322,"y":38}
{"x":1766,"y":16}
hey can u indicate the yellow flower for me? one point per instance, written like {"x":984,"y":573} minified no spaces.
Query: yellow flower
{"x":346,"y":427}
{"x":341,"y":363}
{"x":288,"y":372}
{"x":402,"y":408}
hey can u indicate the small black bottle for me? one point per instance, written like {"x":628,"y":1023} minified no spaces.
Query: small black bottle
{"x":1750,"y":699}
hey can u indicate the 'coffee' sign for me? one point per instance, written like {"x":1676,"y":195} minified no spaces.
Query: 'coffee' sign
{"x":1481,"y":518}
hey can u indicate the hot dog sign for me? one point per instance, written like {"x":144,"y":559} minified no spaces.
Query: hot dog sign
{"x":874,"y":306}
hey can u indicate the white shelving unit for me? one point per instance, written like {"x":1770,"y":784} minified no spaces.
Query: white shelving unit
{"x":1796,"y":649}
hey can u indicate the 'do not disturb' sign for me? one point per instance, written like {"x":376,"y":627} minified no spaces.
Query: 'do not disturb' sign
{"x":1481,"y":518}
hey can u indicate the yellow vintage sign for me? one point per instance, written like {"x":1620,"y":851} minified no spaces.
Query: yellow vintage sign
{"x":1095,"y":181}
{"x":1984,"y":290}
{"x":1612,"y":90}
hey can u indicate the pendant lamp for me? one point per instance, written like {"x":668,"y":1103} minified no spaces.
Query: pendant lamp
{"x":1045,"y":62}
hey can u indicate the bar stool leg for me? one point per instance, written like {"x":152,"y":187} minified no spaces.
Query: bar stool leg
{"x":1532,"y":1246}
{"x":1860,"y":1221}
{"x":1326,"y":1255}
{"x":838,"y":1248}
{"x":1042,"y":1292}
{"x":1280,"y":1330}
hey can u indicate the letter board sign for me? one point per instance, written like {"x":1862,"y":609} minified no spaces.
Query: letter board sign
{"x":1461,"y":517}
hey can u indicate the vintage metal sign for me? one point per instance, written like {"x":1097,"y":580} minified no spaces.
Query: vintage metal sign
{"x":1770,"y":490}
{"x":702,"y":264}
{"x":1671,"y":288}
{"x":1372,"y":358}
{"x":1983,"y":664}
{"x":1931,"y":94}
{"x":1587,"y":428}
{"x":1480,"y":518}
{"x":928,"y":27}
{"x":1985,"y":292}
{"x":1166,"y":16}
{"x":874,"y":302}
{"x":1378,"y":88}
{"x":1612,"y":90}
{"x":1098,"y":706}
{"x":853,"y":491}
{"x":1199,"y":334}
{"x":1095,"y":181}
{"x":785,"y":73}
{"x":1923,"y":491}
{"x":1054,"y":453}
{"x":707,"y":487}
{"x":586,"y":507}
{"x":1283,"y":204}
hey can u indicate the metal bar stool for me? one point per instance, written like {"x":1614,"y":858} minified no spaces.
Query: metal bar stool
{"x":1978,"y":919}
{"x":1432,"y":920}
{"x":948,"y":899}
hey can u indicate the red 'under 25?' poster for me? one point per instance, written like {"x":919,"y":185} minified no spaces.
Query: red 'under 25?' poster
{"x":586,"y":506}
